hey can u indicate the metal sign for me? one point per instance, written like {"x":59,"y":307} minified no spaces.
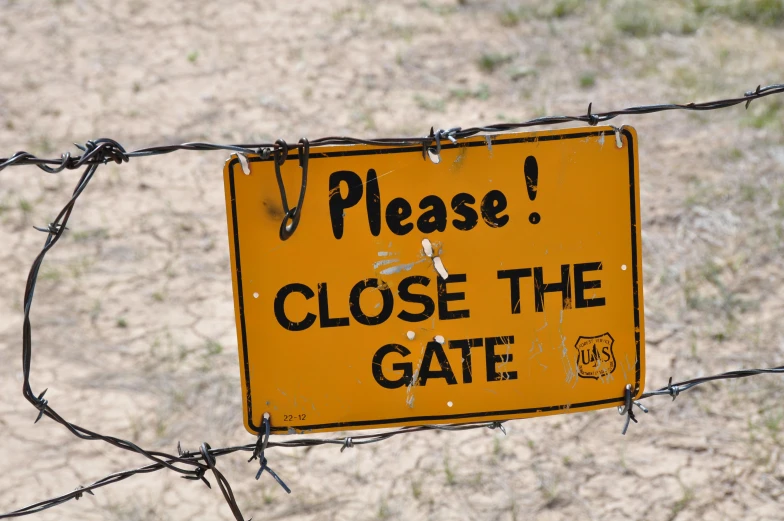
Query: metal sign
{"x":502,"y":282}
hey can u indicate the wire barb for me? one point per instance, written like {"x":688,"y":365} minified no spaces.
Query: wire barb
{"x":752,"y":95}
{"x":348,"y":443}
{"x":41,"y":405}
{"x":592,"y":119}
{"x":499,"y":426}
{"x":674,"y":391}
{"x":81,"y":490}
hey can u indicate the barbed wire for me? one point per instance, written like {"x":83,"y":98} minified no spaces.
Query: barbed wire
{"x":109,"y":150}
{"x":195,"y":465}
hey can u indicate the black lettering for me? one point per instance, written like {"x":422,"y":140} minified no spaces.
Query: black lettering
{"x":373,"y":201}
{"x":514,"y":277}
{"x":324,"y":318}
{"x":606,"y":356}
{"x":280,"y":312}
{"x":425,"y":373}
{"x":338,"y":204}
{"x":378,"y":373}
{"x":531,"y":169}
{"x":405,"y":295}
{"x":492,"y":359}
{"x":580,"y":285}
{"x":444,"y":297}
{"x":465,"y":348}
{"x":356,"y":309}
{"x":540,"y":288}
{"x":398,"y":211}
{"x":435,"y":218}
{"x":459,"y":205}
{"x":492,"y":204}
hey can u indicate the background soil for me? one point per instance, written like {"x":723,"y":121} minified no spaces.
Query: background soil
{"x":133,"y":320}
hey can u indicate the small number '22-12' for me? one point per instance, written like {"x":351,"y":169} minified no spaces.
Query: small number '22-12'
{"x":292,"y":417}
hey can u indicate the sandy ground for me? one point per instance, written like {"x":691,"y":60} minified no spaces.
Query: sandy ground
{"x":133,"y":320}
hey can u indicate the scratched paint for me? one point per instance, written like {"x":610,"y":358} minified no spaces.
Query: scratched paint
{"x":400,"y":268}
{"x":384,"y":262}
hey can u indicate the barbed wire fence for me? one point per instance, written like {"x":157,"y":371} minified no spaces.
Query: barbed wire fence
{"x":196,"y":465}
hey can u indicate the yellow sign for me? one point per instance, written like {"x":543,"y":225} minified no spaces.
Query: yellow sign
{"x":502,"y":282}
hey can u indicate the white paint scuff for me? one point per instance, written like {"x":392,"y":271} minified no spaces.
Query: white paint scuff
{"x":427,"y":247}
{"x":439,"y":266}
{"x":244,"y":163}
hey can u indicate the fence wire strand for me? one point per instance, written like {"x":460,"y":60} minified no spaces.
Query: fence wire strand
{"x":201,"y":463}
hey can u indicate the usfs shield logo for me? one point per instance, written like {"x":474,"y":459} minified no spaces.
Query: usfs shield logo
{"x":595,"y":358}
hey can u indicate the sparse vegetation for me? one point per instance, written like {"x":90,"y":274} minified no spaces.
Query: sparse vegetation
{"x":384,"y":511}
{"x":555,"y":9}
{"x":87,"y":235}
{"x":587,"y":80}
{"x":451,"y":479}
{"x":50,"y":273}
{"x":519,"y":73}
{"x":765,"y":12}
{"x":642,"y":19}
{"x":416,"y":488}
{"x":766,"y":114}
{"x":509,"y":17}
{"x":481,"y":93}
{"x":638,"y":19}
{"x":25,"y":206}
{"x":440,"y":8}
{"x":489,"y":62}
{"x":685,"y":78}
{"x":686,"y":498}
{"x":759,"y":12}
{"x":213,"y":348}
{"x":563,"y":8}
{"x":430,"y":104}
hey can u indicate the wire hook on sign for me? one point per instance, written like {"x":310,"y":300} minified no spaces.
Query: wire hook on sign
{"x":291,"y":216}
{"x":627,"y":408}
{"x":435,"y":153}
{"x":258,"y":452}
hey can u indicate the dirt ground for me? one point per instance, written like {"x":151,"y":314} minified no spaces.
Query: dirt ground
{"x":134,"y":323}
